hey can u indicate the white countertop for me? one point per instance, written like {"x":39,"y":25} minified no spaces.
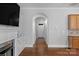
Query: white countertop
{"x":5,"y":43}
{"x":7,"y":33}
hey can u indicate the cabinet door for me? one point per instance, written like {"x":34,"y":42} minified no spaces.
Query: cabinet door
{"x":74,"y":42}
{"x":72,"y":22}
{"x":77,"y":22}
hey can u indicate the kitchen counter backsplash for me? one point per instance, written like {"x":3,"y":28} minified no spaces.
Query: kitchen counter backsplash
{"x":73,"y":32}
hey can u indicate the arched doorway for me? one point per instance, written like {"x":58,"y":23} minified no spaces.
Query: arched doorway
{"x":40,"y":46}
{"x":41,"y":26}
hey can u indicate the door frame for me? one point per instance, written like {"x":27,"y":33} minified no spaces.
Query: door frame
{"x":34,"y":32}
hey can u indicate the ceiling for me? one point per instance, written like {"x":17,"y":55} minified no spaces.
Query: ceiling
{"x":45,"y":5}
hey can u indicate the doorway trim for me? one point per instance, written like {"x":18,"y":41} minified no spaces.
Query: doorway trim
{"x":34,"y":32}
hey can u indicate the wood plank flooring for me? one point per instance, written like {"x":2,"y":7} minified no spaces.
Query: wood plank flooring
{"x":28,"y":51}
{"x":40,"y":48}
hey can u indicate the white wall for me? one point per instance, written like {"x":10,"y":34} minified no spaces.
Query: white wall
{"x":57,"y":25}
{"x":20,"y":40}
{"x":26,"y":27}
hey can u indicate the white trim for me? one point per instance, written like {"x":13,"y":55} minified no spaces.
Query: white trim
{"x":50,"y":8}
{"x":58,"y":46}
{"x":29,"y":45}
{"x":20,"y":51}
{"x":33,"y":27}
{"x":53,"y":46}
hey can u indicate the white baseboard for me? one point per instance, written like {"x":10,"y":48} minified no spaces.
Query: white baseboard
{"x":29,"y":45}
{"x":17,"y":53}
{"x":20,"y":51}
{"x":58,"y":46}
{"x":52,"y":46}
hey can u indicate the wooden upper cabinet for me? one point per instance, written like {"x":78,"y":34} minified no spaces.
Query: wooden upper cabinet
{"x":72,"y":22}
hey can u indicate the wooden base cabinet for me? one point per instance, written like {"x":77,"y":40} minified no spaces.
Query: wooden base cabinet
{"x":74,"y":42}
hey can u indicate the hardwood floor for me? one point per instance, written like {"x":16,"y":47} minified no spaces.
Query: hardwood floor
{"x":40,"y":48}
{"x":62,"y":52}
{"x":27,"y":52}
{"x":51,"y":52}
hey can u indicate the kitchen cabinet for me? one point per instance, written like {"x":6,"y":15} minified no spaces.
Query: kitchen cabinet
{"x":73,"y":41}
{"x":78,"y":22}
{"x":73,"y":22}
